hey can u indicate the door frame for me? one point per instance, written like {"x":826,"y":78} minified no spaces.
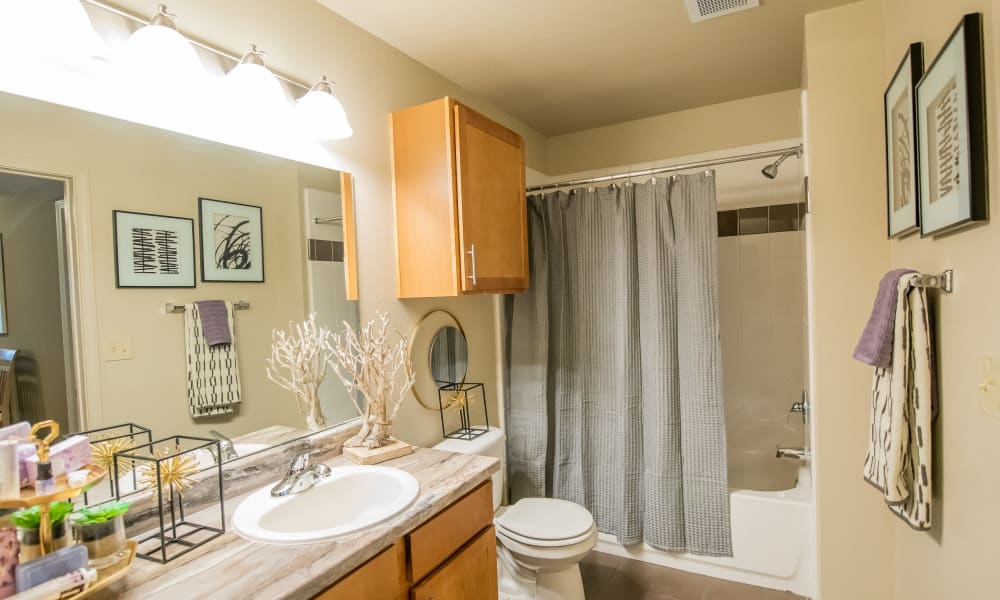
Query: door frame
{"x":81,"y":275}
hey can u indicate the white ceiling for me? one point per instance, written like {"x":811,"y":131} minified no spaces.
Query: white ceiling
{"x":567,"y":65}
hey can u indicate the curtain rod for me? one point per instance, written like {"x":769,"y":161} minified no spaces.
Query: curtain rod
{"x":111,"y":8}
{"x":797,"y":150}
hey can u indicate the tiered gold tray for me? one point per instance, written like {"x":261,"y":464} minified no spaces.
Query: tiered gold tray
{"x":63,"y":491}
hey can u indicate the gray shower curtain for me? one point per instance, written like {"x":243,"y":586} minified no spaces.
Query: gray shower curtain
{"x":615,"y":384}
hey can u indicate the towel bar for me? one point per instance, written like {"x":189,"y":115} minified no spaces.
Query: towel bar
{"x":943,"y":281}
{"x":170,"y":307}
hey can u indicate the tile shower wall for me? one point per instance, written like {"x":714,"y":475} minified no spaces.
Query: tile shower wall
{"x":762,"y":303}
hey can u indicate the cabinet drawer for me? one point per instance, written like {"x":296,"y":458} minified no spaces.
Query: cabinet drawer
{"x":439,"y":538}
{"x":469,"y":575}
{"x":381,"y":578}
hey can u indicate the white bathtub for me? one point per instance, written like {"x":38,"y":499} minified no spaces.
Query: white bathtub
{"x":772,"y":542}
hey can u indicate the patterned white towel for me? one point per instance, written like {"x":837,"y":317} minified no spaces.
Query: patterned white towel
{"x":898,"y":462}
{"x":213,"y":373}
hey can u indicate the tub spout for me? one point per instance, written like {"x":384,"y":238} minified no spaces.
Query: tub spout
{"x":796,"y":453}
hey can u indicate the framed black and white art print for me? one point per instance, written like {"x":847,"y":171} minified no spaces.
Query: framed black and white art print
{"x":902,"y":202}
{"x":232,"y":241}
{"x":951,"y":133}
{"x":153,"y":250}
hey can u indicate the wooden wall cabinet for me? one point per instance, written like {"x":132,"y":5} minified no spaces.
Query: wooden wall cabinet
{"x":453,"y":556}
{"x":459,"y":199}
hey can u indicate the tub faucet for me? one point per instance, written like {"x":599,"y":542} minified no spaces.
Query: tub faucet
{"x":300,"y":476}
{"x":796,"y":453}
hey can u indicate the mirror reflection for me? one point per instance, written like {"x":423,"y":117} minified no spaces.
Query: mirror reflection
{"x":449,"y":356}
{"x":143,"y":273}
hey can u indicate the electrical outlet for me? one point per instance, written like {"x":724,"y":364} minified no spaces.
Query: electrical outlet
{"x":117,"y":348}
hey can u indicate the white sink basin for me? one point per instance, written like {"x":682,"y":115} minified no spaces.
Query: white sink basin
{"x":349,"y":500}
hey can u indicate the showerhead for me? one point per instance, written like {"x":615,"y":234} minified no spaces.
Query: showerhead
{"x":771,"y":171}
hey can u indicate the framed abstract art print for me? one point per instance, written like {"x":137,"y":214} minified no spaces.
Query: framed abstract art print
{"x":232,"y":241}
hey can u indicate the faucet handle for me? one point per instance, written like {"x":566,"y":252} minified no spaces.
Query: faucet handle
{"x":300,"y":463}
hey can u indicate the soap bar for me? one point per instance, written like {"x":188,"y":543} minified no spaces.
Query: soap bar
{"x":66,"y":456}
{"x":50,"y":566}
{"x":24,"y":453}
{"x":18,"y":431}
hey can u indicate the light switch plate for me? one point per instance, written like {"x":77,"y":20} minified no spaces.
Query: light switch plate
{"x":117,"y":348}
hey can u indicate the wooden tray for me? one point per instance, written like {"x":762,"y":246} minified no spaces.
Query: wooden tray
{"x":62,"y":492}
{"x":111,"y":574}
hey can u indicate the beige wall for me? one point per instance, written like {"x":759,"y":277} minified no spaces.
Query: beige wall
{"x":744,"y":122}
{"x":957,"y":559}
{"x":31,"y":275}
{"x":848,"y":254}
{"x":851,"y":55}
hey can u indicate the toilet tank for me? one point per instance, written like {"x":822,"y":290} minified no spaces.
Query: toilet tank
{"x":492,"y":444}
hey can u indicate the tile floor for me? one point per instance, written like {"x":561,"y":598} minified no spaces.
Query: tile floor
{"x":608,"y":577}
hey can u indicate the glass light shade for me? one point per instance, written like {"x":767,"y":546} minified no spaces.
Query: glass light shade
{"x":48,"y":28}
{"x":156,"y":51}
{"x":254,"y":87}
{"x":322,"y":116}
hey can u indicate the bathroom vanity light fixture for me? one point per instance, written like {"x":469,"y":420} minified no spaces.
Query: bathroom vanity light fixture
{"x":321,"y":115}
{"x":51,"y":29}
{"x":250,"y":90}
{"x":158,"y":50}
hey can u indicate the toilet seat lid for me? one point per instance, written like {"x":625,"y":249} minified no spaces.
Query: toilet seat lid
{"x":546,"y":519}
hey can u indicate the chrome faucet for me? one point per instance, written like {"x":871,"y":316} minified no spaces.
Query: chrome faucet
{"x":796,"y":453}
{"x":225,"y":446}
{"x":300,"y":476}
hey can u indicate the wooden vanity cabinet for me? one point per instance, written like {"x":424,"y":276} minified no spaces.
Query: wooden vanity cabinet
{"x":470,"y":573}
{"x":459,"y":200}
{"x":381,"y":578}
{"x":452,"y":556}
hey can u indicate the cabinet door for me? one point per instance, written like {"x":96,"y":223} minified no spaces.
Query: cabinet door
{"x":492,"y":212}
{"x":471,"y":574}
{"x":381,"y":578}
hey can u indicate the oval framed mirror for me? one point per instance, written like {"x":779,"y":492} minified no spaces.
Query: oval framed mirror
{"x":439,"y":355}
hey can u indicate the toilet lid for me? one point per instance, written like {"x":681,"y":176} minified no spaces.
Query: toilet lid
{"x":546,"y":519}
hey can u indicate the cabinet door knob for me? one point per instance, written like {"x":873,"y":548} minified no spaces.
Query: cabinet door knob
{"x":472,"y":254}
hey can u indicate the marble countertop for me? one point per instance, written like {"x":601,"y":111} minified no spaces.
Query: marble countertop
{"x":232,"y":567}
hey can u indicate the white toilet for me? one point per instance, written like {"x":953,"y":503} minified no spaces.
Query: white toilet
{"x":540,"y":541}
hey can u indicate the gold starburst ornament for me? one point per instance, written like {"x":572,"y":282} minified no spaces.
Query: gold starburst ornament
{"x":176,"y":472}
{"x":104,"y":454}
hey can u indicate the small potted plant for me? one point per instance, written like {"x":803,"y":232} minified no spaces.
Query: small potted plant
{"x":102,"y":530}
{"x":28,"y":522}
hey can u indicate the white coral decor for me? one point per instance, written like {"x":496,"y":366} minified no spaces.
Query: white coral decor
{"x":366,"y":361}
{"x":298,"y":363}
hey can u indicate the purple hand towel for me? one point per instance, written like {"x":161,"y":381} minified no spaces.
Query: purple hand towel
{"x":214,"y":322}
{"x":875,"y":346}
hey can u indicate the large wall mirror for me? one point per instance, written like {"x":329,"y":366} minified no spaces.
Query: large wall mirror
{"x":95,"y":349}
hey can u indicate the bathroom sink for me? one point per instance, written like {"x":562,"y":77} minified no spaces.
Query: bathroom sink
{"x":349,"y":500}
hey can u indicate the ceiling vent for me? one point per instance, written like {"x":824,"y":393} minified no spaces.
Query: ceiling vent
{"x":701,"y":10}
